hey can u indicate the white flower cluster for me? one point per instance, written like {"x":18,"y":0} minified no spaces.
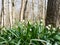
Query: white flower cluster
{"x":42,"y":22}
{"x":48,"y":27}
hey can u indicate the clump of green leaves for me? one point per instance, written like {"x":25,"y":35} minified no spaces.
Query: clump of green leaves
{"x":27,"y":33}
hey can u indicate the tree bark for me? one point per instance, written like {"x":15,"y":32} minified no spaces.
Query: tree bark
{"x":58,"y":13}
{"x":33,"y":16}
{"x":2,"y":13}
{"x":53,"y":13}
{"x":10,"y":12}
{"x":6,"y":14}
{"x":13,"y":11}
{"x":23,"y":9}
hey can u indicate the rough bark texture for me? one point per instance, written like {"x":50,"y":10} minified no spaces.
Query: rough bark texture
{"x":6,"y":14}
{"x":53,"y":14}
{"x":13,"y":12}
{"x":33,"y":15}
{"x":58,"y":13}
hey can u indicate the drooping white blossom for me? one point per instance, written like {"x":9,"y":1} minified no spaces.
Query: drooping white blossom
{"x":54,"y":28}
{"x":41,"y":20}
{"x":48,"y":27}
{"x":30,"y":29}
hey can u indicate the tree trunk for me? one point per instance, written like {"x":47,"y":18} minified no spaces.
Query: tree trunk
{"x":13,"y":11}
{"x":40,"y":9}
{"x":6,"y":14}
{"x":10,"y":12}
{"x":2,"y":13}
{"x":58,"y":13}
{"x":23,"y":9}
{"x":33,"y":16}
{"x":1,"y":16}
{"x":27,"y":11}
{"x":53,"y":13}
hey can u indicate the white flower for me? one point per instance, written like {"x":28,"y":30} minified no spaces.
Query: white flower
{"x":54,"y":29}
{"x":23,"y":25}
{"x":41,"y":24}
{"x":29,"y":35}
{"x":30,"y":22}
{"x":49,"y":32}
{"x":56,"y":44}
{"x":3,"y":29}
{"x":23,"y":20}
{"x":48,"y":27}
{"x":41,"y":20}
{"x":30,"y":29}
{"x":9,"y":38}
{"x":48,"y":43}
{"x":59,"y":27}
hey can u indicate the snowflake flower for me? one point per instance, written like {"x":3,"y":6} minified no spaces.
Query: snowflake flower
{"x":30,"y":29}
{"x":48,"y":27}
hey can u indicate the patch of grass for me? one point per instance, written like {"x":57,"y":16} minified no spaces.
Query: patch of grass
{"x":23,"y":33}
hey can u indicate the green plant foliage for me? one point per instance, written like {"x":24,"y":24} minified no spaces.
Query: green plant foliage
{"x":23,"y":33}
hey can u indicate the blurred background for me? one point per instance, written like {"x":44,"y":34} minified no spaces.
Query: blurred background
{"x":12,"y":10}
